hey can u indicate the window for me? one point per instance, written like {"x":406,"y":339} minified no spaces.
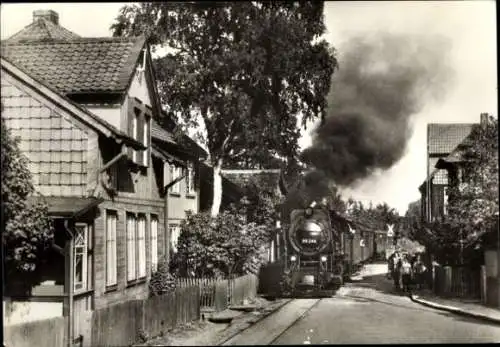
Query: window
{"x":175,"y":232}
{"x":135,"y":133}
{"x":111,"y":263}
{"x":190,"y":189}
{"x":175,"y":172}
{"x":141,"y":246}
{"x":131,"y":250}
{"x":154,"y":243}
{"x":445,"y":201}
{"x":145,"y":142}
{"x":80,"y":257}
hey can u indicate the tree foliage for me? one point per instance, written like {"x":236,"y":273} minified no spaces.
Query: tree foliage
{"x":472,"y":202}
{"x":246,"y":72}
{"x":26,"y":230}
{"x":378,"y":216}
{"x":219,"y":246}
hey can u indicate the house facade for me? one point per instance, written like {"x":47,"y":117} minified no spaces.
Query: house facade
{"x":85,"y":111}
{"x":442,"y":139}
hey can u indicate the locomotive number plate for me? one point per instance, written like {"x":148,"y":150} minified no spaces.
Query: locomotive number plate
{"x":308,"y":241}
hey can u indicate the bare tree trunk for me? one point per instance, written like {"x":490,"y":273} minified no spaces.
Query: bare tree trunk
{"x":217,"y":188}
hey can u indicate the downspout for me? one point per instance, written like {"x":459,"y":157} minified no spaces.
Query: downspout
{"x":70,"y":283}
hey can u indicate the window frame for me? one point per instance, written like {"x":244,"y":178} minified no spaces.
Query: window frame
{"x":153,"y":235}
{"x":131,"y":246}
{"x":84,"y":254}
{"x":135,"y":131}
{"x":445,"y":200}
{"x":146,"y":139}
{"x":175,"y":172}
{"x":141,"y":246}
{"x":111,"y":259}
{"x":190,"y":184}
{"x":177,"y":229}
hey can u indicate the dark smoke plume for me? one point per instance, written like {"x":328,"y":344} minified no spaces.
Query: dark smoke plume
{"x":383,"y":80}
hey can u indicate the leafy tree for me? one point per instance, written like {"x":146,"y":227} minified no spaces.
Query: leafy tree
{"x":219,"y":246}
{"x":246,"y":72}
{"x":26,"y":230}
{"x":472,"y":203}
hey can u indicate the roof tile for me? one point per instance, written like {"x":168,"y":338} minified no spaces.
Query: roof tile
{"x":444,"y":138}
{"x":42,"y":29}
{"x":81,"y":65}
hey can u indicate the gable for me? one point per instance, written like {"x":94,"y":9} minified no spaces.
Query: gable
{"x":54,"y":143}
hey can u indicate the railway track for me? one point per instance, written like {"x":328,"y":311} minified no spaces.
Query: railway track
{"x":271,"y":328}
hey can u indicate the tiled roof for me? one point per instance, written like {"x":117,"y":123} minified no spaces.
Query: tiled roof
{"x":444,"y":138}
{"x":51,"y":92}
{"x":42,"y":29}
{"x":157,"y":132}
{"x":78,"y":66}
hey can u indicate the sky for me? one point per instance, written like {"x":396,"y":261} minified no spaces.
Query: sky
{"x":470,"y":27}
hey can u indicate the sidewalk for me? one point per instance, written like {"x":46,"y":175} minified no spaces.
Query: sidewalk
{"x":207,"y":333}
{"x":465,"y":307}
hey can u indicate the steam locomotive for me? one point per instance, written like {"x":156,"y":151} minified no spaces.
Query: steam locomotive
{"x":311,"y":255}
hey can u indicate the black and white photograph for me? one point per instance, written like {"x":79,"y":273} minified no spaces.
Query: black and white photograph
{"x":224,"y":173}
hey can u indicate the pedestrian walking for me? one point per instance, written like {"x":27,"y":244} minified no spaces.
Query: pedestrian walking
{"x":406,"y":273}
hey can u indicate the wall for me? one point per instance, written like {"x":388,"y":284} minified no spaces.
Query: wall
{"x":45,"y":333}
{"x":16,"y":312}
{"x":55,"y":144}
{"x":123,"y":290}
{"x":110,"y":114}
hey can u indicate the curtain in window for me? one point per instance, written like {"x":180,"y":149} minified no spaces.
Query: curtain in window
{"x":154,"y":243}
{"x":141,"y":244}
{"x":131,"y":249}
{"x":111,"y":248}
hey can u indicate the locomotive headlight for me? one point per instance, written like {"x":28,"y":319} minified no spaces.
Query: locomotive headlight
{"x":293,"y":258}
{"x":323,"y":258}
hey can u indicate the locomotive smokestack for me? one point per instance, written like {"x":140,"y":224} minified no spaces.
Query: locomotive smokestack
{"x":383,"y":80}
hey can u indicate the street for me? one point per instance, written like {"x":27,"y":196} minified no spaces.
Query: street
{"x":365,"y":312}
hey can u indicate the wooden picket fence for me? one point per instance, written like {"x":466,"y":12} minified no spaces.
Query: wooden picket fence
{"x":219,"y":293}
{"x":460,"y":282}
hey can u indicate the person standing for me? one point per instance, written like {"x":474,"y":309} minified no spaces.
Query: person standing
{"x":419,"y":272}
{"x":406,"y":272}
{"x":396,"y":261}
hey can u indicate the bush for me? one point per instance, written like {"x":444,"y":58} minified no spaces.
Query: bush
{"x":218,"y":246}
{"x":27,"y":232}
{"x":162,"y":281}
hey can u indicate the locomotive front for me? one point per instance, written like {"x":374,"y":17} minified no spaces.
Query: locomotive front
{"x":311,"y":264}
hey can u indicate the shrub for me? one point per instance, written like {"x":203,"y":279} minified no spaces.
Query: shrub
{"x":218,"y":246}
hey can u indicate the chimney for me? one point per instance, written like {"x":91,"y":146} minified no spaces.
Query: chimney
{"x":49,"y":15}
{"x":484,"y":119}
